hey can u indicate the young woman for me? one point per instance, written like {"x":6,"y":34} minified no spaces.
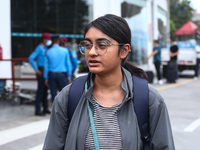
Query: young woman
{"x":106,"y":44}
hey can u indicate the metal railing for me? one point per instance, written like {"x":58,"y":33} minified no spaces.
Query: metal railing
{"x":13,"y":78}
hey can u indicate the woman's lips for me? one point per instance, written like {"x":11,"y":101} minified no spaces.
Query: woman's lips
{"x":93,"y":63}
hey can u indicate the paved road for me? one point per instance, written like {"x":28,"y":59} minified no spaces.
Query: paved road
{"x":21,"y":130}
{"x":183,"y":101}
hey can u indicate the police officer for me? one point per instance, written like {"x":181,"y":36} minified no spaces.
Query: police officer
{"x":72,"y":54}
{"x":57,"y":68}
{"x":38,"y":55}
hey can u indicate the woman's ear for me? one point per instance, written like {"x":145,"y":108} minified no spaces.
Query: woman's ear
{"x":124,"y":51}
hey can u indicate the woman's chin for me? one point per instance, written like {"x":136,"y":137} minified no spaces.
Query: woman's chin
{"x":95,"y":70}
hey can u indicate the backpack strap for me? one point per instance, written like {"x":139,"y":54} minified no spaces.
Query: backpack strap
{"x":75,"y":93}
{"x":141,"y":106}
{"x":140,"y":101}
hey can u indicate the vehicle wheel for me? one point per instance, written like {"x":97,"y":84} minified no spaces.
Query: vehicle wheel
{"x":16,"y":100}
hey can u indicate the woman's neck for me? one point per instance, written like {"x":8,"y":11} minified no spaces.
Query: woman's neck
{"x":107,"y":89}
{"x":109,"y":81}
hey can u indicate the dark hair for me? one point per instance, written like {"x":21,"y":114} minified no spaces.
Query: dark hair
{"x":118,"y":29}
{"x":172,"y":39}
{"x":55,"y":39}
{"x":62,"y":42}
{"x":156,"y":41}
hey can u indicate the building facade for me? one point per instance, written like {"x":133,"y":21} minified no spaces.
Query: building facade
{"x":24,"y":21}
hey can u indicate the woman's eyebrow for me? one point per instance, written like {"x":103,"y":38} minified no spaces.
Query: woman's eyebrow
{"x":99,"y":39}
{"x":87,"y":39}
{"x":103,"y":39}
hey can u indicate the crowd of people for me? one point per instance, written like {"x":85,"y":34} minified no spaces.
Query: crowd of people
{"x":172,"y":67}
{"x":55,"y":67}
{"x":172,"y":70}
{"x":56,"y":62}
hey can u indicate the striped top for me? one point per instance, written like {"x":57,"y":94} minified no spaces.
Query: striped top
{"x":107,"y":128}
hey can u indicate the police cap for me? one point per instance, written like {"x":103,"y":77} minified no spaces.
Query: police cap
{"x":64,"y":39}
{"x":46,"y":35}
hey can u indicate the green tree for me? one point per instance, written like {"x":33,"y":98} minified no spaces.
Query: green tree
{"x":180,"y":13}
{"x":172,"y":28}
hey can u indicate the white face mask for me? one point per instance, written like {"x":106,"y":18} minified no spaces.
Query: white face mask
{"x":48,"y":43}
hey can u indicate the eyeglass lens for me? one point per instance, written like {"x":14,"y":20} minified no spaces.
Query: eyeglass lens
{"x":86,"y":46}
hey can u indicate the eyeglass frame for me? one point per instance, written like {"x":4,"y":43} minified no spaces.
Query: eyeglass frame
{"x":96,"y":47}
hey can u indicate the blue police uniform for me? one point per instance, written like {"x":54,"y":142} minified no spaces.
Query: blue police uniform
{"x":57,"y":68}
{"x":41,"y":96}
{"x":73,"y":61}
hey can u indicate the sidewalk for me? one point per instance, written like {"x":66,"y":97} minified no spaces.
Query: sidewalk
{"x":9,"y":112}
{"x":18,"y":114}
{"x":21,"y":129}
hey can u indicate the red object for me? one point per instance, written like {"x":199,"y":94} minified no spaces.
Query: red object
{"x":1,"y":52}
{"x":46,"y":35}
{"x":187,"y":29}
{"x":13,"y":60}
{"x":181,"y":62}
{"x":64,"y":39}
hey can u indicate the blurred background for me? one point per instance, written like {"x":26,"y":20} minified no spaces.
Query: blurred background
{"x":24,"y":21}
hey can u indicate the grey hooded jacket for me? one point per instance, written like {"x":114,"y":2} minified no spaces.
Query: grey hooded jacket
{"x":64,"y":136}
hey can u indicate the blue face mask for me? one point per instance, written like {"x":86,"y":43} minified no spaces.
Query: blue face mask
{"x":48,"y":43}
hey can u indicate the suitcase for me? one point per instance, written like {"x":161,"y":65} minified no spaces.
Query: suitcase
{"x":164,"y":71}
{"x":171,"y":72}
{"x":171,"y":76}
{"x":150,"y":76}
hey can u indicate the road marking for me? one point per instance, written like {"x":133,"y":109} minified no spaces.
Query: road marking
{"x":195,"y":124}
{"x":174,"y":85}
{"x":23,"y":131}
{"x":36,"y":147}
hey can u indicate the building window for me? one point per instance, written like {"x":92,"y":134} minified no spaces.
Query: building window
{"x":162,"y":26}
{"x":135,"y":13}
{"x":38,"y":16}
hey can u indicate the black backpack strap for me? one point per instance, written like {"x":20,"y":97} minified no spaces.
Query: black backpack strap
{"x":141,"y":106}
{"x":75,"y":93}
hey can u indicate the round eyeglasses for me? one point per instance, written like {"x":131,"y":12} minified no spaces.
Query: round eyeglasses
{"x":100,"y":47}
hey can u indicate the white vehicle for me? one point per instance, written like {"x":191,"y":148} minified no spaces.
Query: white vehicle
{"x":186,"y":56}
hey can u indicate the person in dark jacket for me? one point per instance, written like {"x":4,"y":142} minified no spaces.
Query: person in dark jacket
{"x":108,"y":96}
{"x":173,"y":54}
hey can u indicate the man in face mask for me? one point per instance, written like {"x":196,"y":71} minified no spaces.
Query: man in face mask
{"x":38,"y":55}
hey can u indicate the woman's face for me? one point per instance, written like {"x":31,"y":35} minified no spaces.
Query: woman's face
{"x":102,"y":64}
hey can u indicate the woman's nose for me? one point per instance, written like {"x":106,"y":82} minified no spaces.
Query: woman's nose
{"x":93,"y":50}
